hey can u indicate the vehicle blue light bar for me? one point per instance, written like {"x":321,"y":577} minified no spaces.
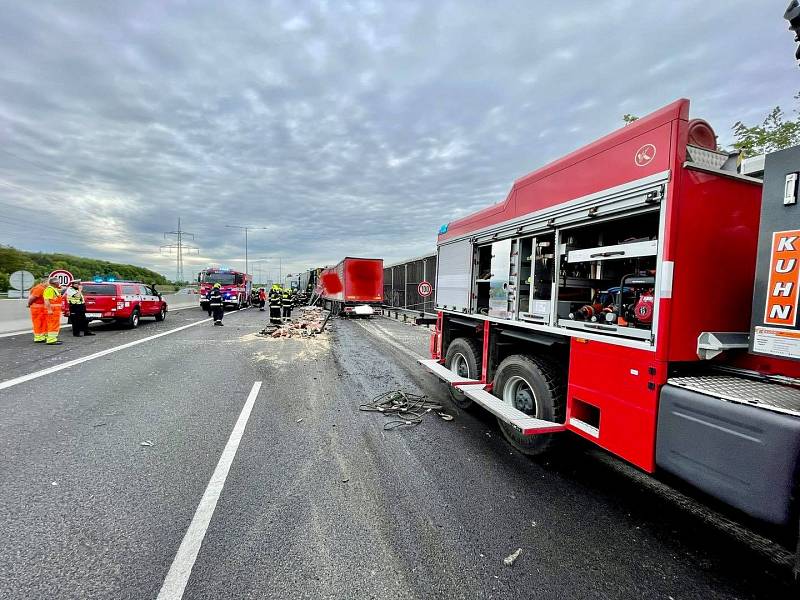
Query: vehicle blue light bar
{"x":443,"y":228}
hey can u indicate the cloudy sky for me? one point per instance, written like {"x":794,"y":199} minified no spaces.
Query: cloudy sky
{"x":343,"y":128}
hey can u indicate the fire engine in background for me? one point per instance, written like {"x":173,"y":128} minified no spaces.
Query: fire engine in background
{"x":353,"y":287}
{"x":234,"y":286}
{"x":609,"y":296}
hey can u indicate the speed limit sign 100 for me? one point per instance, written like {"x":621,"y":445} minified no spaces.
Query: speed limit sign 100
{"x":424,"y":289}
{"x":64,"y":277}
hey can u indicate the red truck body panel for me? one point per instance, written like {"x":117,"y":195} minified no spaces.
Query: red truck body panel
{"x":588,"y":170}
{"x":358,"y":280}
{"x":708,"y":247}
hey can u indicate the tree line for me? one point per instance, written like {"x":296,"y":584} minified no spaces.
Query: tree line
{"x":42,"y":264}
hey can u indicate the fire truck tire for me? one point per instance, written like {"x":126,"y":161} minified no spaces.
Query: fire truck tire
{"x":536,"y":387}
{"x":463,"y":357}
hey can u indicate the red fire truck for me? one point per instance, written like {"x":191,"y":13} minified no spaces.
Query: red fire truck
{"x":234,"y":286}
{"x":353,"y":287}
{"x":640,"y":293}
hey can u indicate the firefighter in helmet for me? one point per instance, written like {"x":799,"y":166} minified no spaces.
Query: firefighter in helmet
{"x":286,"y":303}
{"x":215,"y":303}
{"x":275,"y":304}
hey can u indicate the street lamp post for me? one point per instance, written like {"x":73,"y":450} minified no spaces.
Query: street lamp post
{"x":245,"y":229}
{"x":280,"y":264}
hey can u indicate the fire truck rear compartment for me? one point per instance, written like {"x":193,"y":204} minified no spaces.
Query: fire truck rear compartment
{"x":736,"y":439}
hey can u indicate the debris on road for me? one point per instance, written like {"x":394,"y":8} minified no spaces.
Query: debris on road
{"x":146,"y":443}
{"x":299,"y":420}
{"x":509,"y":560}
{"x":310,"y":322}
{"x":408,"y":408}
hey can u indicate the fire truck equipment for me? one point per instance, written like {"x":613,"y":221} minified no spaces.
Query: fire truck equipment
{"x":632,"y":222}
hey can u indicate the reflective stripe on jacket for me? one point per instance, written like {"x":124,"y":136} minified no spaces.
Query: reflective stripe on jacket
{"x":215,"y":298}
{"x":76,"y":298}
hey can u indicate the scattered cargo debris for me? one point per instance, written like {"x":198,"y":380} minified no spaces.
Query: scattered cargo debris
{"x":408,"y":409}
{"x":509,"y":560}
{"x":309,"y":322}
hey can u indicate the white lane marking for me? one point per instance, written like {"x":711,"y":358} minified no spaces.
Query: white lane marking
{"x":30,"y":331}
{"x":181,"y":569}
{"x":26,"y":332}
{"x":387,"y":337}
{"x":71,"y":363}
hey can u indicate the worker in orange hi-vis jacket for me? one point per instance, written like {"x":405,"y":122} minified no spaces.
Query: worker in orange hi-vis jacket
{"x":52,"y":305}
{"x":38,"y":313}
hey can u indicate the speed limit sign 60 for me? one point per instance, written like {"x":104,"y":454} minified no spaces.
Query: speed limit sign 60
{"x":424,"y":289}
{"x":64,"y":277}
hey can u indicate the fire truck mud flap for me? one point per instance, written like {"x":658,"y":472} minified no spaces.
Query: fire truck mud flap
{"x":742,"y":454}
{"x":476,"y":391}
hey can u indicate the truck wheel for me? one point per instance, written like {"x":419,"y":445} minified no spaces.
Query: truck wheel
{"x":536,"y":387}
{"x":463,"y":357}
{"x":133,"y":320}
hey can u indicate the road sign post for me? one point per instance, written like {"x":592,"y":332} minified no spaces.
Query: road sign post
{"x":64,"y":277}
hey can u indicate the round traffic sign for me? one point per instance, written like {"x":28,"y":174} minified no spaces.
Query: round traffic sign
{"x":21,"y":280}
{"x":64,"y":277}
{"x":424,"y":289}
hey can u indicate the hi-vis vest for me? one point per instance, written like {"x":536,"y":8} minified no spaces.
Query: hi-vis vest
{"x":52,"y":294}
{"x":76,"y":298}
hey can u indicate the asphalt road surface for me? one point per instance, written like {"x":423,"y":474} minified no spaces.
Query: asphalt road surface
{"x":287,"y":490}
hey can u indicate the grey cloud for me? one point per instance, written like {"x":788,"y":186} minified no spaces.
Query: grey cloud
{"x":346,"y":127}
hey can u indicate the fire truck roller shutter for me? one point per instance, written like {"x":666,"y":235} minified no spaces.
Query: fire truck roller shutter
{"x":454,"y":276}
{"x":463,"y":357}
{"x":536,"y":387}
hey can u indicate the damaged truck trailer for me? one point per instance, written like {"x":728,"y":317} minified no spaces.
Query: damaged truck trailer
{"x":354,"y":287}
{"x":639,"y":293}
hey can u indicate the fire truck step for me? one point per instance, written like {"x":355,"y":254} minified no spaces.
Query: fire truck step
{"x":525,"y":423}
{"x":444,"y":373}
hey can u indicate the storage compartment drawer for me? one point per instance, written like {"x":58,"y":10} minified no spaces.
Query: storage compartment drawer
{"x":632,"y":250}
{"x":612,"y":399}
{"x":742,"y":455}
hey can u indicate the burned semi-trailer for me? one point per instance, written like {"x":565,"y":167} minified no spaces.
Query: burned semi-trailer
{"x":640,"y":293}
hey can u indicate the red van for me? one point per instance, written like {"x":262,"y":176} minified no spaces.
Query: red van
{"x":125,"y":302}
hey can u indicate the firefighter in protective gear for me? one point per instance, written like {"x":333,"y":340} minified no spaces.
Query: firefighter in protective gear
{"x":77,"y":310}
{"x":275,"y":304}
{"x":52,"y":307}
{"x":215,"y":304}
{"x":38,"y":313}
{"x":286,"y":303}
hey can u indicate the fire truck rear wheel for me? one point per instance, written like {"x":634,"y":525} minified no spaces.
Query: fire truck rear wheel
{"x":536,"y":387}
{"x":463,"y":357}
